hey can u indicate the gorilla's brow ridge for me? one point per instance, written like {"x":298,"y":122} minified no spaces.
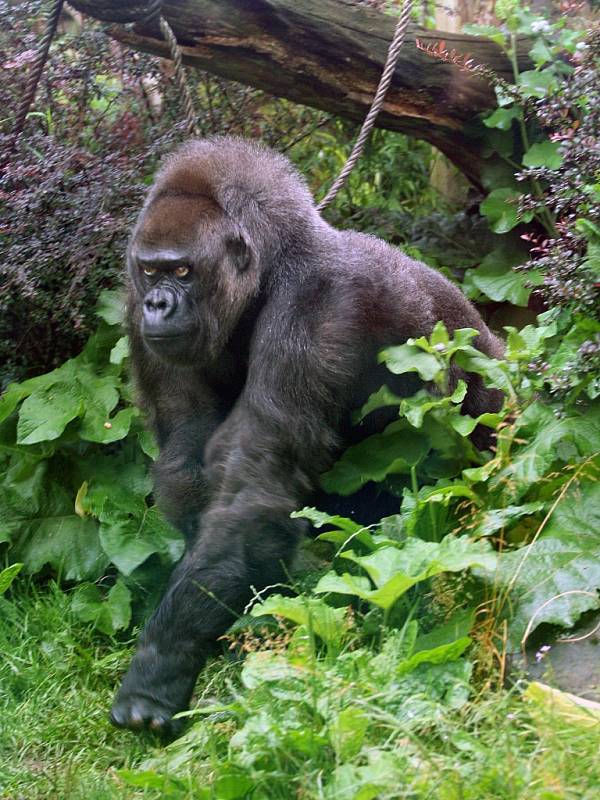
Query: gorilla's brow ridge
{"x":173,"y":192}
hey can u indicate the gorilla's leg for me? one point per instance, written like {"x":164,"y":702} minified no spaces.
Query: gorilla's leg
{"x":210,"y":586}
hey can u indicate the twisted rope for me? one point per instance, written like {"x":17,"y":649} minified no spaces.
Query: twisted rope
{"x":152,"y":12}
{"x":180,"y":78}
{"x":36,"y":69}
{"x":367,"y":126}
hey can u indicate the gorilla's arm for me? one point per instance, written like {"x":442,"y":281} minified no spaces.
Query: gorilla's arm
{"x":183,"y":415}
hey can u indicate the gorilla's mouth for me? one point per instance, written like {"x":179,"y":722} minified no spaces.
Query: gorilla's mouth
{"x":163,"y":337}
{"x":175,"y":346}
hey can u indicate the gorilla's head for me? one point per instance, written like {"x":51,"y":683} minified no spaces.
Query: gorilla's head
{"x":206,"y":242}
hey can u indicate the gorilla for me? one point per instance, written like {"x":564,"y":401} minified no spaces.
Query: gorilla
{"x":254,"y":329}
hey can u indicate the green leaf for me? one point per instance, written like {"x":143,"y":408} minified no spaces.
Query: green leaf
{"x":395,"y":570}
{"x":327,"y":622}
{"x":501,"y":207}
{"x":130,"y":537}
{"x":494,"y":372}
{"x":109,"y":614}
{"x":15,"y":392}
{"x":529,"y":342}
{"x":457,"y":627}
{"x":487,"y":31}
{"x":47,"y":411}
{"x":111,"y":306}
{"x":340,"y":538}
{"x":100,"y":427}
{"x":148,"y":444}
{"x":436,"y":655}
{"x":497,"y":279}
{"x":416,"y":407}
{"x":232,"y":784}
{"x":422,"y":559}
{"x":120,"y":351}
{"x":65,"y":542}
{"x":320,"y":518}
{"x":100,"y":396}
{"x":267,"y":666}
{"x":332,"y":583}
{"x":382,"y":398}
{"x":592,"y":260}
{"x":465,"y":424}
{"x":497,"y":519}
{"x":392,"y":452}
{"x":540,"y":53}
{"x":148,"y":779}
{"x":537,"y":83}
{"x":502,"y":118}
{"x":8,"y":575}
{"x":547,"y":436}
{"x":543,"y":154}
{"x":410,"y":358}
{"x":556,"y":578}
{"x":347,"y":732}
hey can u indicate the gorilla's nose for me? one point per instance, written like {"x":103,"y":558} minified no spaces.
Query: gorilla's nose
{"x":160,"y":305}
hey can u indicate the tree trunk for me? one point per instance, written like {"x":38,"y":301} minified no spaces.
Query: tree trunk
{"x":327,"y":54}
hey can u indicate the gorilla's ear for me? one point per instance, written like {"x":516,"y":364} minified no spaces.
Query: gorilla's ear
{"x":240,"y":251}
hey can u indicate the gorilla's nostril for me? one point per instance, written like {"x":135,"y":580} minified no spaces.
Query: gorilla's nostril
{"x":161,"y":302}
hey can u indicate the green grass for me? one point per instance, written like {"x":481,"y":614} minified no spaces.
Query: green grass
{"x":56,"y":682}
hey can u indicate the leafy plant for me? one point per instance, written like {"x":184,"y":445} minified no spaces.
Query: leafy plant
{"x":76,"y":494}
{"x":541,"y":129}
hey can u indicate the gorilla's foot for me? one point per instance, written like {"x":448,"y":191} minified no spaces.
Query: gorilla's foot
{"x":139,"y":713}
{"x":156,"y":688}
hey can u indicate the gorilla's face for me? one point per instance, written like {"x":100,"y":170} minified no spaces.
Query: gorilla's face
{"x":194,"y":272}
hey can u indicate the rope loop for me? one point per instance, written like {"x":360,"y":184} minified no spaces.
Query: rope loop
{"x":369,"y":122}
{"x":35,"y":72}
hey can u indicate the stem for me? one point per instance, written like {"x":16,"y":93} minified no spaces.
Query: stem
{"x":543,"y":215}
{"x":413,"y":480}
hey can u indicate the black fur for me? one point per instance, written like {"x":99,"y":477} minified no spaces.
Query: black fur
{"x":277,"y":329}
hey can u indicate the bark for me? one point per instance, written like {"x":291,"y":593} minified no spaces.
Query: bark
{"x":327,"y":54}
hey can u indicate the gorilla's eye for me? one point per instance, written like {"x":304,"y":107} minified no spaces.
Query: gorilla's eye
{"x":150,"y":271}
{"x":182,"y":272}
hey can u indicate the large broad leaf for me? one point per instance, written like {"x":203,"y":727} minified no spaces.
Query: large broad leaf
{"x":382,"y":398}
{"x":327,"y":622}
{"x":100,"y":427}
{"x":111,"y":306}
{"x":394,"y":451}
{"x":496,"y":519}
{"x":38,"y":516}
{"x":74,"y":390}
{"x":411,"y":358}
{"x":537,"y":83}
{"x":47,"y":411}
{"x":498,"y":280}
{"x":16,"y":392}
{"x":502,"y":118}
{"x":501,"y":207}
{"x":551,"y":440}
{"x":395,"y":570}
{"x":556,"y":578}
{"x":416,"y":407}
{"x":109,"y":614}
{"x":57,"y":537}
{"x":543,"y":154}
{"x":130,"y":537}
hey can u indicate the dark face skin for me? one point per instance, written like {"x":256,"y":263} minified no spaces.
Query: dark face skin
{"x":186,"y":260}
